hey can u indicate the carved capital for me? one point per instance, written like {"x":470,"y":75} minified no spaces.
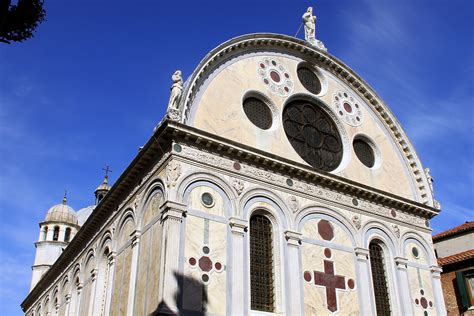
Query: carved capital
{"x":436,"y":271}
{"x":293,"y":238}
{"x":173,"y":211}
{"x":68,"y":298}
{"x":79,"y":288}
{"x":401,"y":263}
{"x":111,"y":257}
{"x":135,"y":237}
{"x":238,"y":226}
{"x":362,"y":254}
{"x":94,"y":274}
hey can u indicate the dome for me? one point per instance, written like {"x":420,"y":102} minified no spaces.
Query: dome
{"x":104,"y":186}
{"x":62,"y":213}
{"x":84,"y":213}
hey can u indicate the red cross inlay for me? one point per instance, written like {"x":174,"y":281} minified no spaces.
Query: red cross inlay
{"x":331,"y":282}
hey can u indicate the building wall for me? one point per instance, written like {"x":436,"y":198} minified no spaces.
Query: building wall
{"x":149,"y":252}
{"x":454,"y":245}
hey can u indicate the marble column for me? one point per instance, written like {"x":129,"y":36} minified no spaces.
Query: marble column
{"x":110,"y":282}
{"x":62,"y":233}
{"x":437,"y":290}
{"x":93,"y":286}
{"x":364,"y":283}
{"x":68,"y":304}
{"x":79,"y":298}
{"x":295,"y":302}
{"x":405,"y":304}
{"x":135,"y":236}
{"x":238,"y":228}
{"x":172,"y":216}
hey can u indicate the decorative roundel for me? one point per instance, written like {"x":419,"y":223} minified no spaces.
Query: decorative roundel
{"x":347,"y":108}
{"x":275,"y":76}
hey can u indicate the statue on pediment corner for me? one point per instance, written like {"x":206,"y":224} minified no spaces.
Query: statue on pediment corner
{"x":173,"y":111}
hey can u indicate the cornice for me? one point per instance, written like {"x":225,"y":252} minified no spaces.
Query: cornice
{"x":278,"y":42}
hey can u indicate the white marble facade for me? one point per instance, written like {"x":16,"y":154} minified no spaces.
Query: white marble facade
{"x":175,"y":238}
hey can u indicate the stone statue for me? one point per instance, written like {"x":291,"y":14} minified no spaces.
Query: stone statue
{"x":309,"y":21}
{"x":429,"y":178}
{"x":175,"y":96}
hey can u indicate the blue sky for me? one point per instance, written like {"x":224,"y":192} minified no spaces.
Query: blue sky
{"x":88,"y":89}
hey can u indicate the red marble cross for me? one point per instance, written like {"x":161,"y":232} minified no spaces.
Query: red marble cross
{"x":330,"y":281}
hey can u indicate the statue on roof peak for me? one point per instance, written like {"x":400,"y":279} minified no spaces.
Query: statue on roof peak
{"x":309,"y":21}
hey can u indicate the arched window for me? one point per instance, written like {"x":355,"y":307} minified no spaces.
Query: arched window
{"x":67,"y":234}
{"x":56,"y":233}
{"x":379,"y":279}
{"x":261,"y":264}
{"x":45,"y":233}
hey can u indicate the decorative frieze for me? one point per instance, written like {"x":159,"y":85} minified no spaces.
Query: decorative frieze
{"x":197,"y":155}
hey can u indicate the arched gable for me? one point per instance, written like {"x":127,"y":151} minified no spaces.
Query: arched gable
{"x":239,"y":58}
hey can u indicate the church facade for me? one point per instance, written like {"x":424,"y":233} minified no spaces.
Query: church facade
{"x":279,"y":182}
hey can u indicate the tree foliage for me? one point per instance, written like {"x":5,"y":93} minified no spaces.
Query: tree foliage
{"x":18,"y":22}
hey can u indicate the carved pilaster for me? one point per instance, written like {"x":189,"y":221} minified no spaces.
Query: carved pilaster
{"x":437,"y":290}
{"x":362,"y":266}
{"x":293,"y":240}
{"x":403,"y":286}
{"x":172,"y":215}
{"x":238,"y":226}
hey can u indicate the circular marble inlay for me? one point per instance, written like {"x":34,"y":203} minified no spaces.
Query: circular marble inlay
{"x":416,"y":254}
{"x":417,"y":301}
{"x":177,"y":148}
{"x":205,"y":250}
{"x":347,"y":108}
{"x":325,"y":230}
{"x":307,"y":276}
{"x":289,"y":182}
{"x":207,"y":199}
{"x":351,"y":284}
{"x":275,"y":76}
{"x":355,"y":202}
{"x":192,"y":261}
{"x":237,"y":166}
{"x":424,"y":302}
{"x":218,"y":265}
{"x":327,"y":252}
{"x":394,"y":214}
{"x":205,"y":278}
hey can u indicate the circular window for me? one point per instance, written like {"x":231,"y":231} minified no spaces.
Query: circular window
{"x":364,"y":152}
{"x":258,"y":112}
{"x":207,"y":199}
{"x":415,"y":252}
{"x":309,"y":80}
{"x":313,"y":134}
